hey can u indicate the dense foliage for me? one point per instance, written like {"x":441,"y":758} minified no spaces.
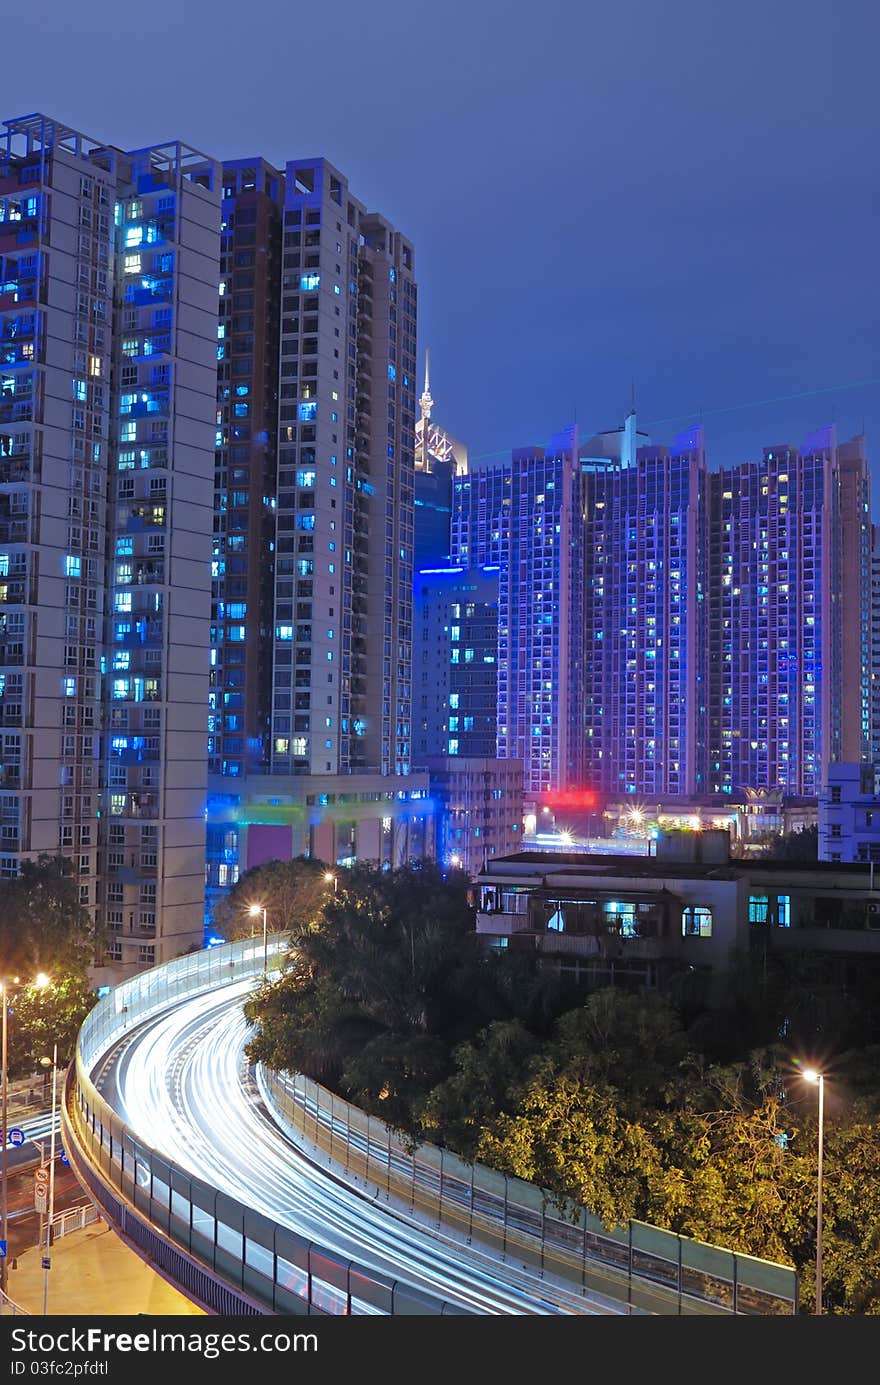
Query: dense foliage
{"x":635,"y":1104}
{"x":41,"y":1018}
{"x":44,"y":928}
{"x":293,"y":893}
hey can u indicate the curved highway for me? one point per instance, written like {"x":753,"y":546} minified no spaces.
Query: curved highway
{"x":182,"y":1083}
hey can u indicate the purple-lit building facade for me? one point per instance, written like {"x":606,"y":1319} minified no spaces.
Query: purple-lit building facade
{"x":523,"y":515}
{"x":645,"y":612}
{"x":789,"y":637}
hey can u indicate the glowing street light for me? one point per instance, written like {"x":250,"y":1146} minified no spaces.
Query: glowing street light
{"x":818,"y":1079}
{"x":330,"y":878}
{"x":255,"y":910}
{"x":40,"y":982}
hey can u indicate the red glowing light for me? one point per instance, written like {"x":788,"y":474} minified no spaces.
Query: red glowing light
{"x":572,"y":798}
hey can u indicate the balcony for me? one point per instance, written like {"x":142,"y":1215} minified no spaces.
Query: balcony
{"x":18,"y":235}
{"x":13,"y":530}
{"x":148,"y":574}
{"x":135,"y":805}
{"x":16,"y":592}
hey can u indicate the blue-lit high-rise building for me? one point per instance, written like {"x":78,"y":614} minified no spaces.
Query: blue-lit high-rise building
{"x":455,"y":663}
{"x":108,"y":272}
{"x":523,"y":515}
{"x":645,"y":614}
{"x":726,"y":617}
{"x":790,"y":616}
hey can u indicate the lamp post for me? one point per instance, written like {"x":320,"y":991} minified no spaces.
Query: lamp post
{"x":330,"y":877}
{"x":40,"y":982}
{"x":4,"y":1209}
{"x":811,"y":1075}
{"x":47,"y":1249}
{"x":255,"y":910}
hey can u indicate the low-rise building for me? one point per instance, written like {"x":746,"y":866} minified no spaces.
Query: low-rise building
{"x":479,"y":809}
{"x":849,"y":813}
{"x":640,"y":920}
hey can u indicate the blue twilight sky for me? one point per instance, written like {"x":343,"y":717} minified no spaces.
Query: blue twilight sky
{"x":683,"y":193}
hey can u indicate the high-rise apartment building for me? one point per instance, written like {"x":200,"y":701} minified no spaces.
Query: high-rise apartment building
{"x":523,"y":515}
{"x":314,"y":516}
{"x":108,"y":272}
{"x":455,"y":663}
{"x":644,"y":651}
{"x":248,"y":332}
{"x":789,"y":622}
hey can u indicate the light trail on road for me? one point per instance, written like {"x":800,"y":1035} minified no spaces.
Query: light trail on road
{"x":179,"y":1081}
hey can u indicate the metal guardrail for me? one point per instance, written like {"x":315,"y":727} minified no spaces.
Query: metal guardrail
{"x":640,"y":1265}
{"x":226,"y":1257}
{"x":73,"y":1219}
{"x":10,"y":1309}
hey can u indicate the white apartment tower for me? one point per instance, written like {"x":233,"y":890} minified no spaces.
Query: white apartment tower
{"x":109,"y":264}
{"x":344,"y":538}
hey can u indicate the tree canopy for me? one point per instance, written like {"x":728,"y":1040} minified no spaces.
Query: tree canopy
{"x":40,"y":1018}
{"x":293,"y":893}
{"x":43,"y":926}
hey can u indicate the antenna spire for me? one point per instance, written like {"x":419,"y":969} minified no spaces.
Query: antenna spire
{"x":426,"y":403}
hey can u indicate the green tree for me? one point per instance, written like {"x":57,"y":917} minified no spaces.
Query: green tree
{"x":393,"y":962}
{"x":802,"y":845}
{"x":43,"y":926}
{"x":41,"y":1017}
{"x":571,"y":1137}
{"x":293,"y":893}
{"x":487,"y":1074}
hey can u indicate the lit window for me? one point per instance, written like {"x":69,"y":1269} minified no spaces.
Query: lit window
{"x":759,"y":907}
{"x":696,"y":922}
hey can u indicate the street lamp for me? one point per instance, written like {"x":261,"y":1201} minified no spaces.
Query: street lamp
{"x":46,"y":1255}
{"x":4,"y":985}
{"x":255,"y":910}
{"x":329,"y":876}
{"x":41,"y":981}
{"x":811,"y":1075}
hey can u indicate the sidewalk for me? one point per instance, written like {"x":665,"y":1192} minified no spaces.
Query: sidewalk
{"x":94,"y":1272}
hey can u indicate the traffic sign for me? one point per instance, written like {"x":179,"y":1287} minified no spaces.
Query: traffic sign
{"x":2,"y":1250}
{"x":41,"y":1178}
{"x":64,"y":1158}
{"x":16,"y":1136}
{"x":41,"y":1200}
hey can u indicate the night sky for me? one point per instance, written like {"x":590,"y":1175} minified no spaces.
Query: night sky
{"x":675,"y":192}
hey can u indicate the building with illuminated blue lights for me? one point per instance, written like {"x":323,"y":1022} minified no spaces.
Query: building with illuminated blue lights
{"x":108,"y":267}
{"x":455,"y":663}
{"x":523,"y":515}
{"x":645,"y":614}
{"x":789,"y":672}
{"x":314,"y":526}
